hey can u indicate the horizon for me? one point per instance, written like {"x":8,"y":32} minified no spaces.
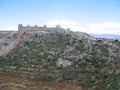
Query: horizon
{"x":90,"y":16}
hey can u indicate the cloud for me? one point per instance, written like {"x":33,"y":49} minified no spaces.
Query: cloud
{"x":93,"y":28}
{"x":64,"y":24}
{"x":9,"y":28}
{"x":104,"y":28}
{"x":112,"y":25}
{"x":12,"y":28}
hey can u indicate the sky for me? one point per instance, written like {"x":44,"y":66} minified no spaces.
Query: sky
{"x":91,"y":16}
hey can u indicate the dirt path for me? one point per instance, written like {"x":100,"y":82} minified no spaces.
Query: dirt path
{"x":12,"y":45}
{"x":24,"y":82}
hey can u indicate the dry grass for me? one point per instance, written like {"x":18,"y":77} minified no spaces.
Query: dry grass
{"x":15,"y":82}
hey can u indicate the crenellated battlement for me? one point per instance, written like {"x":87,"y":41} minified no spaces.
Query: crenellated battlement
{"x":22,"y":29}
{"x":37,"y":28}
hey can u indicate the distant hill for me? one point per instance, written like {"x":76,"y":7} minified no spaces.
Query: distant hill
{"x":112,"y":36}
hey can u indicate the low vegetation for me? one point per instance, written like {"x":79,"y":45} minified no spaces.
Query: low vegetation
{"x":91,"y":66}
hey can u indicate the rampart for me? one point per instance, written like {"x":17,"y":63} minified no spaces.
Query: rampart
{"x":12,"y":45}
{"x":22,"y":29}
{"x":37,"y":28}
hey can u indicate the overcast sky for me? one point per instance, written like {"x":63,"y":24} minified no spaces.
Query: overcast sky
{"x":91,"y":16}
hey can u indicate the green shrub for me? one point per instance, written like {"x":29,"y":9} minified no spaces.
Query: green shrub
{"x":67,"y":77}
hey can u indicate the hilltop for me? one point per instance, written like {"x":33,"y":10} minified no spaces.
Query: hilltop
{"x":61,"y":55}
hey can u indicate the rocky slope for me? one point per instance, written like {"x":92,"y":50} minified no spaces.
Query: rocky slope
{"x":6,"y":37}
{"x":66,"y":55}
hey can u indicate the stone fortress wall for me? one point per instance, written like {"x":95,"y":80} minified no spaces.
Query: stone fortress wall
{"x":28,"y":28}
{"x":38,"y":28}
{"x":12,"y":45}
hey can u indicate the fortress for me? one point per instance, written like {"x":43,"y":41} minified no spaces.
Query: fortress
{"x":22,"y":29}
{"x":38,"y":28}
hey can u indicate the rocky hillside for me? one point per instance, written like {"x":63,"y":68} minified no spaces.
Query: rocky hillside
{"x":65,"y":55}
{"x":6,"y":37}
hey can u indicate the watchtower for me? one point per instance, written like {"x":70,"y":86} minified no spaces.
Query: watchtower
{"x":19,"y":27}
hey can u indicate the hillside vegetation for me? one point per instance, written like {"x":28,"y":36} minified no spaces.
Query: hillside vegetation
{"x":71,"y":57}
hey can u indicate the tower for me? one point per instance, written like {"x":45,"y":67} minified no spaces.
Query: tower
{"x":20,"y":31}
{"x":19,"y":27}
